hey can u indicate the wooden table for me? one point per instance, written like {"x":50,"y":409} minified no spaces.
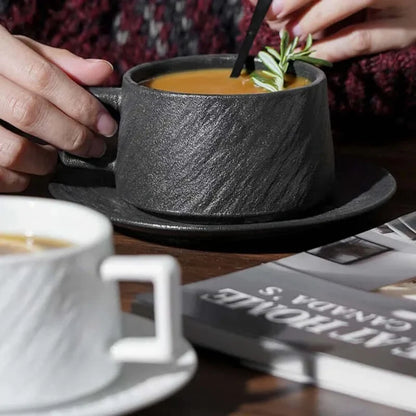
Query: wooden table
{"x":221,"y":385}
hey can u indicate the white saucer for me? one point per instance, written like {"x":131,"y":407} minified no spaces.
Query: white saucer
{"x":138,"y":386}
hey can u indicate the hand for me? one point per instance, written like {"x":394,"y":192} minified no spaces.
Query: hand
{"x":347,"y":28}
{"x":41,"y":96}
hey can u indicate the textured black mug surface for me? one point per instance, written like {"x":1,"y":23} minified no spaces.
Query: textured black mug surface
{"x":219,"y":158}
{"x":223,"y":157}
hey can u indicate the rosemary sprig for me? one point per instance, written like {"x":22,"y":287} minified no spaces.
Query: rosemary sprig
{"x":277,"y":62}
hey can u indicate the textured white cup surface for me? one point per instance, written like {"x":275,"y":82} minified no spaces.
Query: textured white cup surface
{"x":58,"y":318}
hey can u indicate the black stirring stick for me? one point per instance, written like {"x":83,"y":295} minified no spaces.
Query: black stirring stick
{"x":258,"y":16}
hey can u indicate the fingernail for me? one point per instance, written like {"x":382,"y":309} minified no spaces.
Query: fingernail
{"x":93,"y":61}
{"x":277,"y":7}
{"x":106,"y":125}
{"x":97,"y":149}
{"x":297,"y":30}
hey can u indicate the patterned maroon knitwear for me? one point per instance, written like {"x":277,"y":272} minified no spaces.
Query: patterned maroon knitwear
{"x":378,"y":88}
{"x":375,"y":92}
{"x":126,"y":32}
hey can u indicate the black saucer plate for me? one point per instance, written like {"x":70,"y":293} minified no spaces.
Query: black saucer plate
{"x":360,"y":188}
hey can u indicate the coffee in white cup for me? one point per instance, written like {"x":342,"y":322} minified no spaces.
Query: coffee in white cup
{"x":60,"y":319}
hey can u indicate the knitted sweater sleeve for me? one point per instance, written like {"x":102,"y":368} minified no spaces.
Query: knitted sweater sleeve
{"x":376,"y":90}
{"x":127,"y":32}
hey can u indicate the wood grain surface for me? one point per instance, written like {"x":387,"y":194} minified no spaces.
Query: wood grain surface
{"x":221,"y":385}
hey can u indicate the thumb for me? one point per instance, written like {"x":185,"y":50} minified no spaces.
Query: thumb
{"x":83,"y":71}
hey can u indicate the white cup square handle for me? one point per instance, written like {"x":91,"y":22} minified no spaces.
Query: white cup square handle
{"x":164,"y":272}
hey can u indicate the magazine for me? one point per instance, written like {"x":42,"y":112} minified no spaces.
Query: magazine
{"x":342,"y":316}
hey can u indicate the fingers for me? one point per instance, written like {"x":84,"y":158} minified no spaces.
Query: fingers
{"x":27,"y":68}
{"x":20,"y":158}
{"x":347,"y":28}
{"x":20,"y":155}
{"x":41,"y":96}
{"x":271,"y":15}
{"x":83,"y":71}
{"x":362,"y":39}
{"x":274,"y":10}
{"x":12,"y":181}
{"x":324,"y":13}
{"x":37,"y":116}
{"x":280,"y":9}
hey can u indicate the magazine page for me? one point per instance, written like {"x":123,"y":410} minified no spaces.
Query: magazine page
{"x":342,"y":316}
{"x":379,"y":257}
{"x":309,"y":314}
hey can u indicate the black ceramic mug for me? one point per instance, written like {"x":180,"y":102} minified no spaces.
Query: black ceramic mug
{"x":221,"y":158}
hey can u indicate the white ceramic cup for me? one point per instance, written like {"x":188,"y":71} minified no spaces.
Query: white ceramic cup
{"x":60,"y":319}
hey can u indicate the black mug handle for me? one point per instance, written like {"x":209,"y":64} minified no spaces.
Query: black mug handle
{"x":111,"y":98}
